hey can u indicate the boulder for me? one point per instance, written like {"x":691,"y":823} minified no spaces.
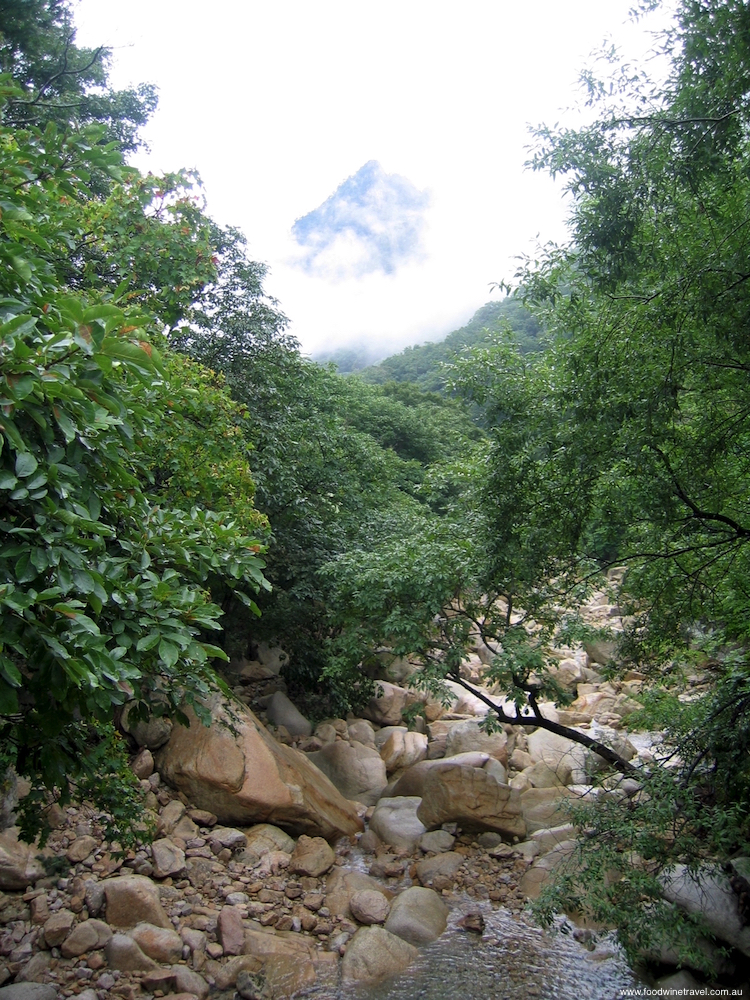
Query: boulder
{"x":312,"y":856}
{"x":437,"y":841}
{"x":168,"y":858}
{"x":418,"y":915}
{"x":374,"y":953}
{"x":361,"y":731}
{"x":473,"y":799}
{"x":358,"y":771}
{"x":282,"y":712}
{"x":264,"y":837}
{"x":230,"y":930}
{"x":86,"y":936}
{"x":468,"y":735}
{"x":412,"y":780}
{"x":540,"y":873}
{"x":19,"y":864}
{"x":710,"y":894}
{"x":342,"y":885}
{"x":159,"y":943}
{"x":134,"y":899}
{"x":566,"y":759}
{"x":545,"y":807}
{"x":246,"y":777}
{"x":369,"y":906}
{"x":28,"y":991}
{"x":124,"y":955}
{"x":397,"y":823}
{"x":442,"y":867}
{"x":387,"y":705}
{"x":58,"y":926}
{"x":152,"y":734}
{"x":403,"y":749}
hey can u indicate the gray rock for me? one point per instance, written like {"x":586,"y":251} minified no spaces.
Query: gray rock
{"x":281,"y":712}
{"x":442,"y":866}
{"x":438,"y":841}
{"x":418,"y":915}
{"x":709,"y":893}
{"x":86,"y":936}
{"x":124,"y":955}
{"x":168,"y":858}
{"x":152,"y":734}
{"x":396,"y":822}
{"x":358,"y":771}
{"x":19,"y":864}
{"x":28,"y":991}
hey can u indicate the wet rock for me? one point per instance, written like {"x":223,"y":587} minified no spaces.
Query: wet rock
{"x":473,"y":921}
{"x":373,"y":953}
{"x":341,"y":885}
{"x":418,"y":915}
{"x":442,"y":866}
{"x":249,"y":777}
{"x":543,"y":868}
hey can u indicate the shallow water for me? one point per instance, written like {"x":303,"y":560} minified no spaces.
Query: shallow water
{"x":512,"y":960}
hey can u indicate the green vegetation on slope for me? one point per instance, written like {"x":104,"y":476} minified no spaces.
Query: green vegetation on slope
{"x":424,"y":364}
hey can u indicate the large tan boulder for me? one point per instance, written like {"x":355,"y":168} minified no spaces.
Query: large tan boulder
{"x":357,"y":770}
{"x":374,"y":953}
{"x":387,"y":705}
{"x":343,"y":885}
{"x":403,"y":749}
{"x":469,"y":735}
{"x":418,"y":915}
{"x":472,"y":798}
{"x":134,"y":899}
{"x":246,"y":777}
{"x":412,"y":780}
{"x":546,"y":807}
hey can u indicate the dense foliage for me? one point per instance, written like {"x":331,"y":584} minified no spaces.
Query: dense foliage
{"x":106,"y":555}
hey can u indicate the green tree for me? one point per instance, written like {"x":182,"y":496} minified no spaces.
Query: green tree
{"x":103,"y":571}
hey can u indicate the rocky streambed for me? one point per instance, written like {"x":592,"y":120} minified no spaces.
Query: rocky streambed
{"x":363,"y":855}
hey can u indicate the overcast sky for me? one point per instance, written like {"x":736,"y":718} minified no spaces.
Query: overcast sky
{"x":372,"y":153}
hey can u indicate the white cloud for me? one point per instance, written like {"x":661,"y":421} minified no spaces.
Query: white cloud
{"x":373,"y":222}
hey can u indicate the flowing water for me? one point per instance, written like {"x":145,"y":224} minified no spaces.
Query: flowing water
{"x":512,"y":960}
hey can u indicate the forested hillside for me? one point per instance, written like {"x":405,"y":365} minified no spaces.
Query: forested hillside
{"x":178,"y":482}
{"x":424,"y":364}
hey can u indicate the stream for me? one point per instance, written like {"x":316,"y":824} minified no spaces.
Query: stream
{"x":512,"y":960}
